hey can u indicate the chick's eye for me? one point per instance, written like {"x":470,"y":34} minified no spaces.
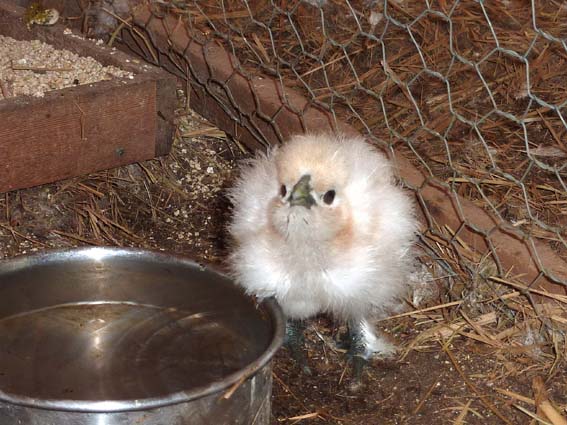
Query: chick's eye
{"x":283,"y":190}
{"x":329,"y":197}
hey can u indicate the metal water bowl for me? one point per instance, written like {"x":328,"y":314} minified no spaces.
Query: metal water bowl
{"x":104,"y":336}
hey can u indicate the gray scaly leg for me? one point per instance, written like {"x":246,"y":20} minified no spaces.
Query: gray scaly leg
{"x":357,"y":353}
{"x":295,"y":341}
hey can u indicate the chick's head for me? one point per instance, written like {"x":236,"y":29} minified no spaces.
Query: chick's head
{"x":311,"y":206}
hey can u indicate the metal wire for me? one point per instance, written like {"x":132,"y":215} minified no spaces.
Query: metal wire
{"x":473,"y":93}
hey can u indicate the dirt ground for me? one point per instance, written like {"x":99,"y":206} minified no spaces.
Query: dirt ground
{"x":176,"y":204}
{"x":463,"y":383}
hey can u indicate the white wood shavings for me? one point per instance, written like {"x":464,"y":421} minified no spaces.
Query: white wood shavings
{"x":32,"y":68}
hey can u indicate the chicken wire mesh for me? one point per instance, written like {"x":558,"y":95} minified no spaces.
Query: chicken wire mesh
{"x":471,"y":94}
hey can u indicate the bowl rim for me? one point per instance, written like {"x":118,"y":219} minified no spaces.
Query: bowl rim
{"x":115,"y":406}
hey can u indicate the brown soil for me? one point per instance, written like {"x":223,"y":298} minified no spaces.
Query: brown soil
{"x":424,"y":387}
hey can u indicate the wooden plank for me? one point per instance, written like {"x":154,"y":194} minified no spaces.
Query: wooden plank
{"x":73,"y":135}
{"x":82,"y":129}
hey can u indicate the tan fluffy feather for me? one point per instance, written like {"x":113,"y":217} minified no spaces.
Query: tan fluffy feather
{"x":350,"y":258}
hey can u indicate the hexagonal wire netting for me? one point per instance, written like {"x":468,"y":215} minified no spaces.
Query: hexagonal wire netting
{"x":471,"y":94}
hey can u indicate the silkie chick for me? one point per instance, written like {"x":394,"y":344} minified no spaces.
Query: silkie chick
{"x":320,"y":225}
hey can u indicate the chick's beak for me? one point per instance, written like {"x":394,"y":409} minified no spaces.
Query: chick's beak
{"x":301,"y":193}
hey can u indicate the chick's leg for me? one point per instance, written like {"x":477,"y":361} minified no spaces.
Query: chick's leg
{"x":357,"y":351}
{"x":295,"y":341}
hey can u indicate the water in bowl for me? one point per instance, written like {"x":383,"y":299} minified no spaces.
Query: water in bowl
{"x":117,"y":351}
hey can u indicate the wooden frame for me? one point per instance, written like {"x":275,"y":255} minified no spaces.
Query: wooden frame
{"x":82,"y":129}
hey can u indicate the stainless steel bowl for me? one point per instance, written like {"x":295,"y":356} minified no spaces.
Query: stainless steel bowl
{"x":111,"y":336}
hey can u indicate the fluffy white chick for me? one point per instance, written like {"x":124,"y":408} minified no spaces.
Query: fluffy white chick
{"x":320,"y":225}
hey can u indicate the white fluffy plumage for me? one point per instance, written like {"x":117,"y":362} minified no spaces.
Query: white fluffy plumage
{"x":349,"y":257}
